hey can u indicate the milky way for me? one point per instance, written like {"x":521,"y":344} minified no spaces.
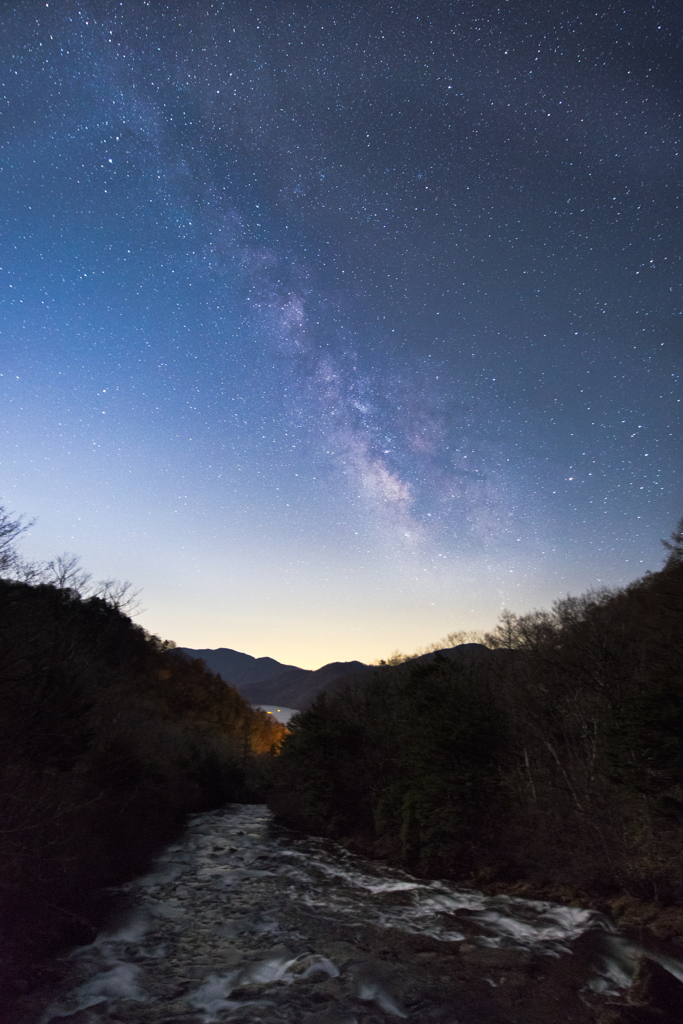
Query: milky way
{"x":340,"y":327}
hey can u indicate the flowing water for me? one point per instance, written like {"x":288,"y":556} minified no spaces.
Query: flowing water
{"x":242,"y":921}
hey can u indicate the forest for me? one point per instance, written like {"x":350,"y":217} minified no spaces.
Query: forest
{"x":545,"y":760}
{"x":549,"y":762}
{"x":109,"y":738}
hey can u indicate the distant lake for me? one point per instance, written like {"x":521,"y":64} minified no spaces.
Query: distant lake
{"x":281,"y":714}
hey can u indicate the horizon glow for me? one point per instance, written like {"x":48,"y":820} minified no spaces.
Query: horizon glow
{"x":337,"y":330}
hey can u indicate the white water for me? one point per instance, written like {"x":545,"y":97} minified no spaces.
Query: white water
{"x":238,"y":891}
{"x":329,"y":878}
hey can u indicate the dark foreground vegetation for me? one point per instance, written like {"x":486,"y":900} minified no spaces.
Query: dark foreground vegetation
{"x":551,"y":756}
{"x":108,"y":739}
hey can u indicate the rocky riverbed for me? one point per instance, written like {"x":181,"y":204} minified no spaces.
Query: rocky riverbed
{"x":241,"y":921}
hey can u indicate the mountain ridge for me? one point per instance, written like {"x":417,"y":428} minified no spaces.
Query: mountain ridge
{"x":238,"y":668}
{"x":267,"y":681}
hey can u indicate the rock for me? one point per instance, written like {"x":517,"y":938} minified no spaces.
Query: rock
{"x":656,"y":989}
{"x":378,"y":982}
{"x":335,"y":1015}
{"x":286,"y":940}
{"x":499,"y":959}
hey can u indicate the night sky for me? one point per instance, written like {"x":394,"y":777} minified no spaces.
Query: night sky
{"x":339,"y":327}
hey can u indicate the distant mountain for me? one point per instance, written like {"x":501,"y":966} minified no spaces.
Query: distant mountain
{"x":467,"y":655}
{"x":498,"y":662}
{"x":266,"y":681}
{"x":237,"y":668}
{"x":297,"y":687}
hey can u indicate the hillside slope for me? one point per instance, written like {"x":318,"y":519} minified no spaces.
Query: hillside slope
{"x":266,"y":681}
{"x":551,"y":758}
{"x":108,"y":739}
{"x":237,"y":668}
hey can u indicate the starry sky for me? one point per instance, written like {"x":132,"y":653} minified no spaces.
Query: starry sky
{"x":337,"y":327}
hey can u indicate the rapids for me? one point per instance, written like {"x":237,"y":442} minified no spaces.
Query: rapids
{"x":244,"y":921}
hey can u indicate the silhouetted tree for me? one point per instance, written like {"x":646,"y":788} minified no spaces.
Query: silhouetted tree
{"x":557,"y":757}
{"x":108,"y":738}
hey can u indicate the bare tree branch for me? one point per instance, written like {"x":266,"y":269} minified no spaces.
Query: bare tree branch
{"x":119,"y":594}
{"x":11,"y":528}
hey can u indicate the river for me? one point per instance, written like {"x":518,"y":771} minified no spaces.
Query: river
{"x":243,"y":921}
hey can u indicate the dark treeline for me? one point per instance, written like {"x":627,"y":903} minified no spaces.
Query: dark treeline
{"x":551,"y":756}
{"x":108,"y":739}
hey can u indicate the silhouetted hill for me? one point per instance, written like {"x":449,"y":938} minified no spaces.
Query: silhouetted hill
{"x":487,"y":661}
{"x":266,"y":681}
{"x":108,"y":740}
{"x":297,"y":687}
{"x":550,"y":758}
{"x":465,"y":654}
{"x":470,"y":656}
{"x":237,"y":668}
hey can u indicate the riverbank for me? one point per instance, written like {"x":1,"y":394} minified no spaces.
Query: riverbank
{"x":647,"y":920}
{"x":108,"y":739}
{"x":245,"y":922}
{"x":548,"y":760}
